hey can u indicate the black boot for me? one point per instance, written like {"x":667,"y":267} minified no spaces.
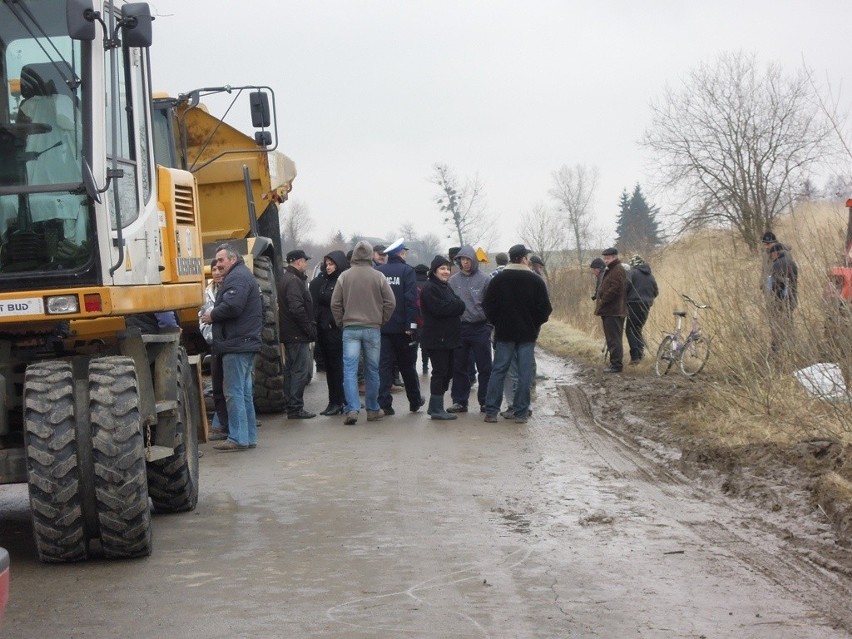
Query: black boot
{"x":333,"y":409}
{"x":436,"y":408}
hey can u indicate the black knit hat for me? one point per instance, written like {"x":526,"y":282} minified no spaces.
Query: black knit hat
{"x":769,"y":238}
{"x":437,"y":261}
{"x":597,"y":263}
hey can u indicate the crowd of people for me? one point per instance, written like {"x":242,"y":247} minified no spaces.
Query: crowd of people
{"x":369,"y":314}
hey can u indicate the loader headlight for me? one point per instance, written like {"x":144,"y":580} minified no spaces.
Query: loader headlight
{"x":63,"y":305}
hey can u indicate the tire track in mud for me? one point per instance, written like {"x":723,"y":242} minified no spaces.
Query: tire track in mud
{"x":804,"y":574}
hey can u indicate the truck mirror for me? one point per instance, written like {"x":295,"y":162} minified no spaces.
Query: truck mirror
{"x":136,"y":24}
{"x":80,"y":19}
{"x":263,"y":138}
{"x":259,"y":102}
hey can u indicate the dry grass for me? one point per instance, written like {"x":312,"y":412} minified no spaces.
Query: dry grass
{"x":750,"y":395}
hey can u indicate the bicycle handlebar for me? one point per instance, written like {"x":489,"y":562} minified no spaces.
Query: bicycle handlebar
{"x":693,"y":302}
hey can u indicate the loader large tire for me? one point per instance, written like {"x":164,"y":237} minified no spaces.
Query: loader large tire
{"x":53,"y":463}
{"x":269,"y":365}
{"x":173,"y":481}
{"x":118,"y":450}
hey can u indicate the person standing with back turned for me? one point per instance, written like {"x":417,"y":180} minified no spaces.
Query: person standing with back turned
{"x":399,"y":334}
{"x":517,"y":304}
{"x":362,"y":302}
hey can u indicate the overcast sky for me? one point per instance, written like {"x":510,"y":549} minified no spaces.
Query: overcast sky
{"x":371,"y":94}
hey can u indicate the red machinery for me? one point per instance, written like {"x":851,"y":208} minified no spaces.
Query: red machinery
{"x":840,"y":282}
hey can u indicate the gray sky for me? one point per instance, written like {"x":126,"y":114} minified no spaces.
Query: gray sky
{"x":371,"y":94}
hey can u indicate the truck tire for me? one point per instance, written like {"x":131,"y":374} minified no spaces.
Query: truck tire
{"x":173,"y":481}
{"x":118,"y":451}
{"x":268,"y":366}
{"x":52,"y":462}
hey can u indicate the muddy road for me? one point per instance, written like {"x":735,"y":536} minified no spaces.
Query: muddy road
{"x":414,"y":528}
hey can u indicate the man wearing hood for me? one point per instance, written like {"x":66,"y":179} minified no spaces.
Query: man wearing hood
{"x":362,"y":302}
{"x":399,"y":334}
{"x":641,"y":291}
{"x":475,"y":338}
{"x":329,"y":336}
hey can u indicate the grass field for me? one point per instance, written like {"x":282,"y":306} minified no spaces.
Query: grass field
{"x":748,"y":395}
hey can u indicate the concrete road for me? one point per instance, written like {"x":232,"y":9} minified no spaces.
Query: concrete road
{"x":414,"y":528}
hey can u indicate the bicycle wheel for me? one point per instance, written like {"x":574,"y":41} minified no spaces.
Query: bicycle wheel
{"x":666,"y":356}
{"x":694,"y":355}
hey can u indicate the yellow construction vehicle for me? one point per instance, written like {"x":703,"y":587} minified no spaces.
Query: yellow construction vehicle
{"x":237,"y":176}
{"x":98,"y":418}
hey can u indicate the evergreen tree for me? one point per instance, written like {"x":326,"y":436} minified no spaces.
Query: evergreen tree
{"x":638,"y":230}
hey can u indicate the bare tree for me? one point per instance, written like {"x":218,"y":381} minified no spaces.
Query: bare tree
{"x":462,"y":205}
{"x":573,"y":189}
{"x":542,"y":229}
{"x":296,"y":225}
{"x":735,"y":141}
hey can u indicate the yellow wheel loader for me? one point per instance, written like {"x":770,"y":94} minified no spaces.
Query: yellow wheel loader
{"x":99,"y":418}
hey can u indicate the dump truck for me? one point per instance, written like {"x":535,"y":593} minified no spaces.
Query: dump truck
{"x":100,"y":419}
{"x":238,"y":176}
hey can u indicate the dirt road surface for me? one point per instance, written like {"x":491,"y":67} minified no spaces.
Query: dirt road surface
{"x":414,"y":528}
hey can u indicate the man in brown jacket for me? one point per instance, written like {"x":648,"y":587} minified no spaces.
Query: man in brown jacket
{"x":611,"y":307}
{"x":362,"y":302}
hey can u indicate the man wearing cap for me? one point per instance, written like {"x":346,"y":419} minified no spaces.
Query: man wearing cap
{"x":399,"y":334}
{"x":470,"y":284}
{"x":297,"y":330}
{"x":517,"y":304}
{"x":379,"y":254}
{"x":501,"y":259}
{"x":537,"y":266}
{"x":611,"y":307}
{"x":361,"y":303}
{"x":597,"y":267}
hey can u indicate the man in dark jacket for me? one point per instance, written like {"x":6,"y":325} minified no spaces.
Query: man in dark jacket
{"x":399,"y":335}
{"x":237,"y":319}
{"x":641,"y":291}
{"x":297,"y":330}
{"x":611,"y":307}
{"x":422,"y":273}
{"x":784,"y":286}
{"x":517,"y":304}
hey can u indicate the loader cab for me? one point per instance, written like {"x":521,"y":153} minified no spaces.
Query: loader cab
{"x":76,"y":166}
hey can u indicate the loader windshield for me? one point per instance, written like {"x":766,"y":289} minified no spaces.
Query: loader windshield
{"x":43,"y":211}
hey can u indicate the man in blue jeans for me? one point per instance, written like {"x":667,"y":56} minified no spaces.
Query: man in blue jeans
{"x":361,"y":303}
{"x":237,"y":319}
{"x":516,"y":304}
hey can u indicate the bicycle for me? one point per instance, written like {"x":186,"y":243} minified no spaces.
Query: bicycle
{"x":690,"y":351}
